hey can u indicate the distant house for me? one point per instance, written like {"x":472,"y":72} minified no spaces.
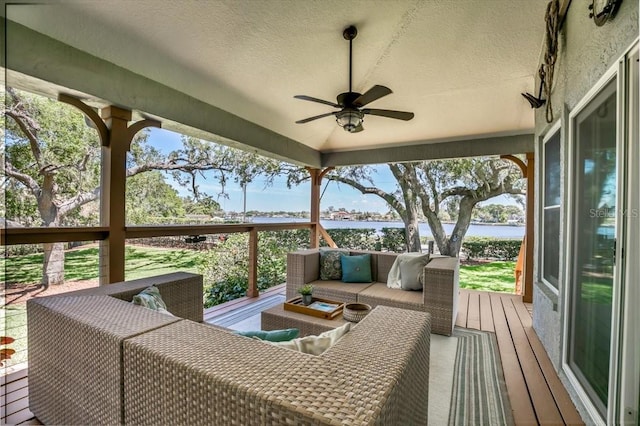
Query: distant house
{"x":341,"y":215}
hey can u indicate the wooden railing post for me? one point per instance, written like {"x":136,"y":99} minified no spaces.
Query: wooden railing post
{"x":112,"y":194}
{"x":252,"y":288}
{"x":115,"y":137}
{"x":316,"y":228}
{"x":316,"y":180}
{"x":528,"y":258}
{"x":528,"y":173}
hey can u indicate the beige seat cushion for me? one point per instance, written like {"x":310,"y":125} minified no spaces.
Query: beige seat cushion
{"x":380,"y":294}
{"x":338,"y":291}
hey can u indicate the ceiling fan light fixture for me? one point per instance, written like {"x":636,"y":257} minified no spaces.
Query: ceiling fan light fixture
{"x":349,"y":120}
{"x":351,"y":114}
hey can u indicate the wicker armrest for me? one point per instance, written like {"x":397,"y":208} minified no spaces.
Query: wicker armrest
{"x":386,"y":357}
{"x":180,"y":291}
{"x":191,"y":374}
{"x":441,"y":287}
{"x":303,"y":266}
{"x":75,"y":352}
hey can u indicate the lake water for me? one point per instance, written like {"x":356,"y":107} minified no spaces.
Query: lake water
{"x":498,"y":231}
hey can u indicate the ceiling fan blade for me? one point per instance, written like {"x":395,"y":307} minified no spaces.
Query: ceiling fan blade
{"x":315,"y":117}
{"x":320,"y":101}
{"x":400,"y":115}
{"x":376,"y":92}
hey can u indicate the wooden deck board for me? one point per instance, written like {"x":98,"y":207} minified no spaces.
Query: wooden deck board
{"x":543,"y":403}
{"x":473,"y":315}
{"x":239,"y":303}
{"x":534,"y":389}
{"x":521,"y":406}
{"x":486,"y":314}
{"x":15,"y":398}
{"x":568,"y":411}
{"x":463,"y":303}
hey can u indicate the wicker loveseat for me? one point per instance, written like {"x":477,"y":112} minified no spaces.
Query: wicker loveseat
{"x":439,"y":296}
{"x":94,"y":358}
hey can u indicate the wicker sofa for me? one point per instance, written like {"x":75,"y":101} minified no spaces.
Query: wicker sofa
{"x":94,"y":358}
{"x":439,"y":297}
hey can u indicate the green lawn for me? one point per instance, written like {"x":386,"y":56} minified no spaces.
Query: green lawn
{"x":82,"y":264}
{"x":492,"y":276}
{"x":13,"y":318}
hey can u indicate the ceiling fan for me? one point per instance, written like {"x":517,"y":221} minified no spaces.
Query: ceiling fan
{"x":351,"y":114}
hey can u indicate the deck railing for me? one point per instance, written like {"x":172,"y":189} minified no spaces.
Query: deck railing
{"x":20,"y":236}
{"x":14,"y":236}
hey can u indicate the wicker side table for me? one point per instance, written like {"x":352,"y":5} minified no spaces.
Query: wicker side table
{"x":278,"y":318}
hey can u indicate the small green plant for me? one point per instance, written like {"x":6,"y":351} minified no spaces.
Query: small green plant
{"x":306,"y":290}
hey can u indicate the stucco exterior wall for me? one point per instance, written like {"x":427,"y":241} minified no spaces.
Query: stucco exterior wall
{"x":586,"y":52}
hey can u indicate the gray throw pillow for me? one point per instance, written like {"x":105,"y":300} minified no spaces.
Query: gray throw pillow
{"x":411,"y":272}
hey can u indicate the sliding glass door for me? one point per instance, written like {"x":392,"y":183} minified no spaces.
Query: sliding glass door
{"x":592,"y":258}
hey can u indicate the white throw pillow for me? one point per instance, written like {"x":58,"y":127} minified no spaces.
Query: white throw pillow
{"x":394,"y":279}
{"x":315,"y":345}
{"x":411,"y":272}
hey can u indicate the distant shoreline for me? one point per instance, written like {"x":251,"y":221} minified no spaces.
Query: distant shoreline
{"x":383,"y":221}
{"x":496,"y":230}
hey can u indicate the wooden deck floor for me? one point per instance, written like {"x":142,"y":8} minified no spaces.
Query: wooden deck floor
{"x":536,"y":394}
{"x":535,"y":391}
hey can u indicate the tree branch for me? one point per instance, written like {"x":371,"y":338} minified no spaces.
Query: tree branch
{"x":172,"y":165}
{"x":78,"y":201}
{"x":389,"y":198}
{"x":33,"y":140}
{"x":23,"y":178}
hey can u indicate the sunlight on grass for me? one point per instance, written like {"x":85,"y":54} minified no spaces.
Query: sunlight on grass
{"x":493,"y":276}
{"x":14,"y":319}
{"x":82,"y":264}
{"x":147,"y":261}
{"x":21,"y":269}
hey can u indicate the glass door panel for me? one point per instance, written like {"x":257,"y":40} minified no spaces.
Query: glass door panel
{"x":593,"y":253}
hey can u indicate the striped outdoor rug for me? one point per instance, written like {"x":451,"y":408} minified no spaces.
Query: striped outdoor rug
{"x":479,"y":395}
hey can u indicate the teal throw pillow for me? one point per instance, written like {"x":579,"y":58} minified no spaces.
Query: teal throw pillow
{"x":330,"y":267}
{"x":356,"y":269}
{"x":273,"y":335}
{"x":150,"y":298}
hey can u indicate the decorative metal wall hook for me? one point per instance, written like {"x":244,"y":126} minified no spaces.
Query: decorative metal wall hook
{"x":536,"y":102}
{"x":533,"y":101}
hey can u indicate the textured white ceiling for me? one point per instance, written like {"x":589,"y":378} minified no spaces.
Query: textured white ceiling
{"x":459,"y":65}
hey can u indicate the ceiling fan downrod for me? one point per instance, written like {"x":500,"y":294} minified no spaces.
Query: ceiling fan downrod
{"x":349,"y":34}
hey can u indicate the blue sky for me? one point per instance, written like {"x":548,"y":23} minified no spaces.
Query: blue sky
{"x":278,"y":197}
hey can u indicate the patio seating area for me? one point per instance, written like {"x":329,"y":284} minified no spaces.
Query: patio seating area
{"x":534,"y":389}
{"x":438,"y":294}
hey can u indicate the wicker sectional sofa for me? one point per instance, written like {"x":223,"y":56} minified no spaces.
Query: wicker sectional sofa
{"x":94,"y":358}
{"x":439,"y":296}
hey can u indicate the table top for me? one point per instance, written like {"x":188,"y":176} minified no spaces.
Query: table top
{"x":280,"y":311}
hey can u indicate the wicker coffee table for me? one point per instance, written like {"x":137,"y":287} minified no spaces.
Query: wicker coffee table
{"x":278,"y":318}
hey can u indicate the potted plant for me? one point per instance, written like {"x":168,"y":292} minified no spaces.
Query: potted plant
{"x":306,"y":292}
